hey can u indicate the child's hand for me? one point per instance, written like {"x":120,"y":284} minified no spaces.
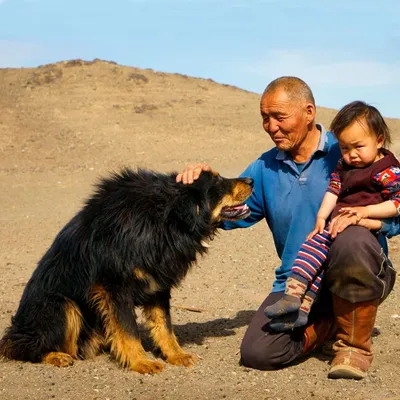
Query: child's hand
{"x":359,"y":212}
{"x":319,"y":227}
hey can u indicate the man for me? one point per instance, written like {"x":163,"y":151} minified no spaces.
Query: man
{"x":289,"y":183}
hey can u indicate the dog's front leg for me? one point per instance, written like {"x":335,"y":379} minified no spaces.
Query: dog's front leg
{"x":159,"y":322}
{"x":121,"y":331}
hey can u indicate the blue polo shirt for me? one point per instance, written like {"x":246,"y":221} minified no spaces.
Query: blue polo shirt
{"x":289,"y":200}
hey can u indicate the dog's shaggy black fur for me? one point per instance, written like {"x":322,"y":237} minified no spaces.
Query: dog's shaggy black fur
{"x":133,"y":241}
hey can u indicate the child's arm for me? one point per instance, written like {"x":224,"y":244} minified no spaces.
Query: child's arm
{"x":329,"y":200}
{"x":332,"y":193}
{"x":387,"y":209}
{"x":389,"y":181}
{"x":327,"y":206}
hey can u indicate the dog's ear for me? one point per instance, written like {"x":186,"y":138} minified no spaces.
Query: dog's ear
{"x":185,"y":212}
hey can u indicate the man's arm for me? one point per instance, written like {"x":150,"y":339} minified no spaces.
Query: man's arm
{"x":370,"y":224}
{"x":342,"y":221}
{"x":388,"y":227}
{"x":192,"y":172}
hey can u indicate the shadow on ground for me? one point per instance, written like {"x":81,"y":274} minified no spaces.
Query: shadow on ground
{"x":197,"y":332}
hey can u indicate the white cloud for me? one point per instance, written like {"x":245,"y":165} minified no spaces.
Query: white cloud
{"x":317,"y":69}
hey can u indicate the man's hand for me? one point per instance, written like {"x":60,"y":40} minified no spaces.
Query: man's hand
{"x":359,"y":212}
{"x":319,"y":227}
{"x":341,"y":222}
{"x":192,"y":172}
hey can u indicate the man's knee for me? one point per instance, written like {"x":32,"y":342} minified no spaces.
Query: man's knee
{"x":269,"y":357}
{"x":357,"y":268}
{"x":353,"y":239}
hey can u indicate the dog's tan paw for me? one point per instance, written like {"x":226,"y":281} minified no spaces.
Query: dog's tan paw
{"x":58,"y":359}
{"x":183,"y":359}
{"x":147,"y":367}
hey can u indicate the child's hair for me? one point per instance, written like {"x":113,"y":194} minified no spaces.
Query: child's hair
{"x":357,"y":110}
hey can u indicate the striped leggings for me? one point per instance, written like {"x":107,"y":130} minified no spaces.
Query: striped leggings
{"x":307,"y":267}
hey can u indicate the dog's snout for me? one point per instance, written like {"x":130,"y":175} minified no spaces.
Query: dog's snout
{"x":249,"y":181}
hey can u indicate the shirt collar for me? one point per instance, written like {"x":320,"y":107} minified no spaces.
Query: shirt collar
{"x":322,"y":145}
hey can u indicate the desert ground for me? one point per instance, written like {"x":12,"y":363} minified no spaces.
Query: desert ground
{"x":61,"y":127}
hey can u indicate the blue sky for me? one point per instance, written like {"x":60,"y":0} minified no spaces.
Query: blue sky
{"x":344,"y":49}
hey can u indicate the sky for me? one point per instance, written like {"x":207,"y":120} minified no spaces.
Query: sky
{"x":344,"y":49}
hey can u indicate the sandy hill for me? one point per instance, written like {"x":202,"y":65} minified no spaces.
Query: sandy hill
{"x":100,"y":114}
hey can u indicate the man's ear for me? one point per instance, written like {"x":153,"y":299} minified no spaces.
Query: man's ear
{"x":310,"y":112}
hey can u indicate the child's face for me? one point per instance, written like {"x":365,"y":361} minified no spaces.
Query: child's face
{"x":358,"y":145}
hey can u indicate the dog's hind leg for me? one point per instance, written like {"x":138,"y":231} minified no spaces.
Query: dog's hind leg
{"x":121,"y":331}
{"x":73,"y":325}
{"x":91,"y":343}
{"x":159,"y":322}
{"x":45,"y":330}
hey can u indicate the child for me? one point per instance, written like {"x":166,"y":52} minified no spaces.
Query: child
{"x":366,"y":183}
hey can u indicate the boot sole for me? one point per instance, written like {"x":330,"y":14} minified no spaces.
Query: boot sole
{"x":346,"y":372}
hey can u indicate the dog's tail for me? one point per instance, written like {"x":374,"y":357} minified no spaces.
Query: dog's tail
{"x":21,"y":346}
{"x":5,"y":348}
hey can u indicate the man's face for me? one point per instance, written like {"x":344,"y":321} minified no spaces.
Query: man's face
{"x":285,"y":120}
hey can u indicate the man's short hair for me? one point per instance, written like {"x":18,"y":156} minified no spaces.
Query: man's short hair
{"x":295,"y":87}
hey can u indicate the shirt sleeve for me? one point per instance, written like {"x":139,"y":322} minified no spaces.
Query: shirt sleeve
{"x":390,"y":227}
{"x":335,"y":182}
{"x":389,"y":180}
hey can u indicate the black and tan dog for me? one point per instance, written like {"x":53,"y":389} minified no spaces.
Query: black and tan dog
{"x":133,"y":241}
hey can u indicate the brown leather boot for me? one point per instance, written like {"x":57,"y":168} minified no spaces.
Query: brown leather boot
{"x":353,"y":346}
{"x":317,"y":333}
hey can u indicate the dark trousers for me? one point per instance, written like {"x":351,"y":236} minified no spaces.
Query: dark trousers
{"x":356,"y":270}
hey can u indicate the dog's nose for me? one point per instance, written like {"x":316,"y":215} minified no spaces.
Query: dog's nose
{"x":249,"y":181}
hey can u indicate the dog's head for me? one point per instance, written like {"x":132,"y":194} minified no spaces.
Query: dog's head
{"x":211,"y":199}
